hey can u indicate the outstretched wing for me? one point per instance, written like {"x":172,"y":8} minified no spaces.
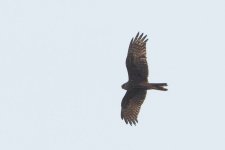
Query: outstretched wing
{"x":131,"y":105}
{"x":136,"y":62}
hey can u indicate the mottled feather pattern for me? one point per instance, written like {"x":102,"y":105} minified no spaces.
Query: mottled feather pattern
{"x":137,"y":49}
{"x":131,"y":105}
{"x":136,"y":61}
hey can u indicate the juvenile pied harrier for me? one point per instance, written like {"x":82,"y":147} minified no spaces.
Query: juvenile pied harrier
{"x":137,"y":84}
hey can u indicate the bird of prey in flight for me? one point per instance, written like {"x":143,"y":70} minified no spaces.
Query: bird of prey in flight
{"x":137,"y":85}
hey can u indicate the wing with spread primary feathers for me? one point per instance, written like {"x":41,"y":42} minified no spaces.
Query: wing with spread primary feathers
{"x":136,"y":62}
{"x":131,"y":105}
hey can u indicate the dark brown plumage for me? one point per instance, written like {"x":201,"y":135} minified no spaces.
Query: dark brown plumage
{"x":137,"y":84}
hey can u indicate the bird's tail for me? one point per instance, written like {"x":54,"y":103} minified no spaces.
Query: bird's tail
{"x":158,"y":86}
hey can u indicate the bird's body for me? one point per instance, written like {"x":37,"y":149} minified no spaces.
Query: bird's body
{"x":137,"y":84}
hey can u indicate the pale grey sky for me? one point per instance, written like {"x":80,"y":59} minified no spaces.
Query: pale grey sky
{"x":63,"y":61}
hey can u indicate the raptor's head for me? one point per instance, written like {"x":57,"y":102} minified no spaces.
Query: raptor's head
{"x":125,"y":86}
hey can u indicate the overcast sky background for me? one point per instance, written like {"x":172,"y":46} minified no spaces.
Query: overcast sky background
{"x":62,"y":64}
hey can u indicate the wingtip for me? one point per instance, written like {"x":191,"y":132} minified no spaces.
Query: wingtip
{"x":144,"y":38}
{"x":136,"y":36}
{"x":141,"y":37}
{"x":130,"y":122}
{"x":131,"y":41}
